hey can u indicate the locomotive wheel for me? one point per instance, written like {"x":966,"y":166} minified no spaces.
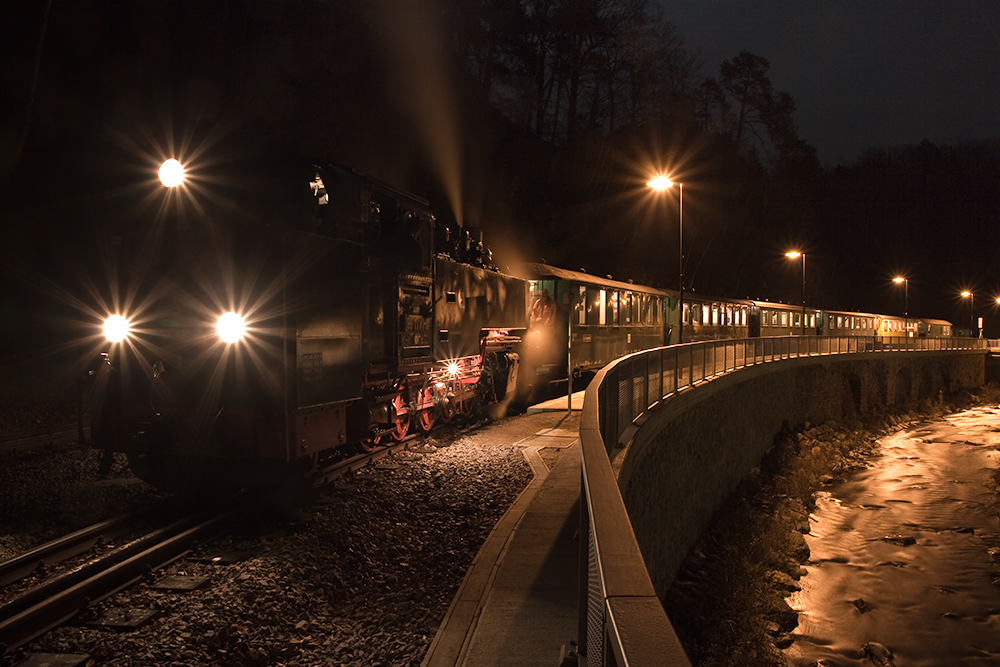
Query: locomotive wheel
{"x":425,"y":420}
{"x":368,"y":445}
{"x":402,"y":419}
{"x":466,"y":407}
{"x":447,"y":412}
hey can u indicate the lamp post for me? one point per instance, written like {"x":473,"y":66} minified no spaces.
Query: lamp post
{"x":793,"y":254}
{"x":906,"y":302}
{"x":660,"y":184}
{"x":967,"y":294}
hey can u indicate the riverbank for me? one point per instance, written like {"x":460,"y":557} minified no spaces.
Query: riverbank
{"x":728,"y":603}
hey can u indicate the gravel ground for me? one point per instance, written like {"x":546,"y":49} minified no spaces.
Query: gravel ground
{"x":361,"y":574}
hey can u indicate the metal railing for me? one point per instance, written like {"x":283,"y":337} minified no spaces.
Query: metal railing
{"x":623,"y":622}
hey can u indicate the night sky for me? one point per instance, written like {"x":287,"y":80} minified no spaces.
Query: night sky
{"x":370,"y":86}
{"x":864,"y":73}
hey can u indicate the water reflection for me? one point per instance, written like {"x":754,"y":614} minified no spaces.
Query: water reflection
{"x":900,"y":553}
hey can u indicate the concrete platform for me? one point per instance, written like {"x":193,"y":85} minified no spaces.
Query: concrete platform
{"x":517,"y":605}
{"x":559,"y":404}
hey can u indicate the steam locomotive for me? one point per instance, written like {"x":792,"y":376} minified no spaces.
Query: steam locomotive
{"x":250,"y":335}
{"x":251,"y":331}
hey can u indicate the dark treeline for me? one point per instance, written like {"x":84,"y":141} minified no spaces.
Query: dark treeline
{"x":538,"y":120}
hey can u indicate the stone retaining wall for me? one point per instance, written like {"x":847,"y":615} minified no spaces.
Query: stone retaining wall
{"x":693,"y":451}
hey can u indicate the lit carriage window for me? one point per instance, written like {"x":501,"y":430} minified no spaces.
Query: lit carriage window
{"x":812,"y":319}
{"x":798,"y":319}
{"x":603,"y":306}
{"x":582,"y":317}
{"x":627,"y":307}
{"x":784,"y":319}
{"x":729,"y":315}
{"x":613,"y":306}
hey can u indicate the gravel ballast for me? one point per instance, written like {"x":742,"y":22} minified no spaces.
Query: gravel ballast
{"x":362,"y":573}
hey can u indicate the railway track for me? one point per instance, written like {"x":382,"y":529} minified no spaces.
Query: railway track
{"x":35,"y":609}
{"x":65,"y":434}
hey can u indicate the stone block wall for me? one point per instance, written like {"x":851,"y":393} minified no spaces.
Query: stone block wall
{"x":693,"y":450}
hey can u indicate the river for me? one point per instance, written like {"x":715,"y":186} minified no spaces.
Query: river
{"x":900,"y":553}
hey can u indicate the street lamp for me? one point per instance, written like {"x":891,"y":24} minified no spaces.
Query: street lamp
{"x":661,"y":183}
{"x":966,"y":294}
{"x":906,"y":303}
{"x":171,"y":173}
{"x":794,"y":254}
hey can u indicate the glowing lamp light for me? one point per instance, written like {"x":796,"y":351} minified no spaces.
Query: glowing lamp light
{"x":453,"y":369}
{"x":660,"y":183}
{"x":171,"y":173}
{"x":966,"y":294}
{"x":792,"y":254}
{"x":115,"y":328}
{"x":231,"y":327}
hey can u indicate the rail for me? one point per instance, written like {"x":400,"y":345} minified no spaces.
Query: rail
{"x":623,"y":622}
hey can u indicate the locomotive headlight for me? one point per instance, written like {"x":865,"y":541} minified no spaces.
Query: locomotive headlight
{"x":171,"y":173}
{"x":115,"y":328}
{"x":231,"y":327}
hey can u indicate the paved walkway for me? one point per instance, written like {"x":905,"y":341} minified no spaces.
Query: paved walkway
{"x":517,"y":605}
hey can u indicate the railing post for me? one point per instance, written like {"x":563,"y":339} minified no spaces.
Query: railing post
{"x":645,"y":384}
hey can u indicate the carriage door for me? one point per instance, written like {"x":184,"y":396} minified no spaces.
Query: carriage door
{"x":753,"y":322}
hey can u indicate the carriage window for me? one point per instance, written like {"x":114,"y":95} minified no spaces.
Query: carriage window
{"x":812,"y":319}
{"x":687,"y":314}
{"x":613,"y":307}
{"x":657,"y":306}
{"x":729,"y":315}
{"x":595,"y":306}
{"x":582,"y":317}
{"x":627,"y":308}
{"x":602,"y":305}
